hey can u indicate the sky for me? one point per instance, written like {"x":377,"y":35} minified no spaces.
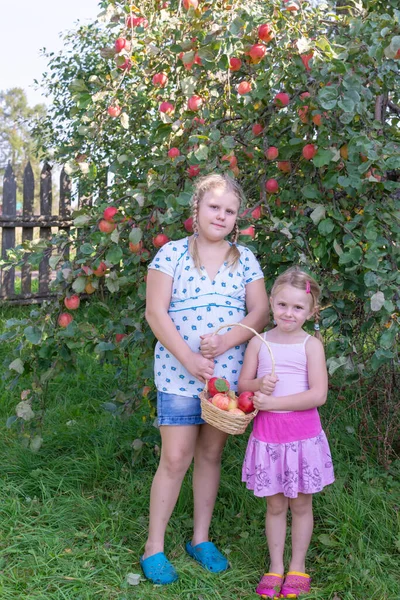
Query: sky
{"x":30,"y":25}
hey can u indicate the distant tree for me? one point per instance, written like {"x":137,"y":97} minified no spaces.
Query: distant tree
{"x":16,"y":121}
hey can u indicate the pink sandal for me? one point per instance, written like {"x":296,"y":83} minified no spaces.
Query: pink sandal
{"x":270,"y":585}
{"x":295,"y":584}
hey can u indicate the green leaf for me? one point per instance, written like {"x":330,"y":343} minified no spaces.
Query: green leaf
{"x":36,"y":443}
{"x":188,"y":85}
{"x":114,"y":255}
{"x":326,"y":226}
{"x":54,"y":260}
{"x":33,"y":335}
{"x":202,"y":152}
{"x":184,"y":199}
{"x":17,"y":365}
{"x":10,"y":421}
{"x":124,"y":120}
{"x":377,"y":301}
{"x":135,"y":235}
{"x":323,"y":157}
{"x":82,"y":220}
{"x":86,"y":248}
{"x":327,"y":97}
{"x":310,"y":191}
{"x":388,"y":338}
{"x":79,"y":285}
{"x":347,"y":104}
{"x":317,"y":214}
{"x":104,"y":347}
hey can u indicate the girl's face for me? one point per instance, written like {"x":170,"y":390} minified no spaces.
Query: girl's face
{"x":217,"y":213}
{"x":291,"y":308}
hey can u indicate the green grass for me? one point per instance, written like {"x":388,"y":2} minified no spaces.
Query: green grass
{"x":73,"y":517}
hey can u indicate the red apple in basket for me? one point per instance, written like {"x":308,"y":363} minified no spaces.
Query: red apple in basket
{"x":217,"y":385}
{"x":233,"y":401}
{"x":245,"y":402}
{"x":220,"y":401}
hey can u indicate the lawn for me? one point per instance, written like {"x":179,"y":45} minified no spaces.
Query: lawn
{"x":74,"y":515}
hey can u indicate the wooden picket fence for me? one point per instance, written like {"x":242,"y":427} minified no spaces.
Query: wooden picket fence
{"x":10,"y":221}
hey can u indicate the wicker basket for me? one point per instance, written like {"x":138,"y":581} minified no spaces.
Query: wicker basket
{"x":223,"y":419}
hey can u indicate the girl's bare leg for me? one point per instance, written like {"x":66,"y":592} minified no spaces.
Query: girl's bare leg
{"x":177,"y":451}
{"x":275,"y":529}
{"x":206,"y":476}
{"x":302,"y":528}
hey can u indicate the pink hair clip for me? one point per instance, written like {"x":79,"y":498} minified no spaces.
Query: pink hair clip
{"x":308,"y":288}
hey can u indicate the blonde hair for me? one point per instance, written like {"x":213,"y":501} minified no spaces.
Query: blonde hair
{"x":302,"y":281}
{"x":204,"y":185}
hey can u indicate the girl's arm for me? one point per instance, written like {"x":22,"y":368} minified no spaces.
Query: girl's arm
{"x":158,"y":298}
{"x":317,"y":380}
{"x":248,"y":382}
{"x":257,"y":318}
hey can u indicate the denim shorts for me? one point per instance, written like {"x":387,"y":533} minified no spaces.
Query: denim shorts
{"x":178,"y":410}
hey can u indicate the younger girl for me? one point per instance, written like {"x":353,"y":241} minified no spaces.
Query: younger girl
{"x":194,"y":285}
{"x":288,"y":458}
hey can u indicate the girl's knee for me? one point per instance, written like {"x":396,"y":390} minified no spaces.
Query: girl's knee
{"x":175,"y":462}
{"x":301,"y":505}
{"x":277,"y":504}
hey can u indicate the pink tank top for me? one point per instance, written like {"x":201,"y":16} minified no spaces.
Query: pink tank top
{"x":291,"y":368}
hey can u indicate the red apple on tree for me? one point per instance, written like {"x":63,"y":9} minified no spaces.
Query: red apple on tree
{"x":173,"y":153}
{"x":250,"y":231}
{"x":243,"y":88}
{"x":72,"y":302}
{"x":284,"y":166}
{"x":101,"y":269}
{"x":302,"y":112}
{"x":309,"y":151}
{"x":160,"y":239}
{"x":109,"y":213}
{"x":120,"y":44}
{"x":265,"y":32}
{"x":119,"y":337}
{"x":106,"y":226}
{"x":235,"y":63}
{"x":114,"y":110}
{"x":195,"y":102}
{"x":272,"y":153}
{"x":188,"y":224}
{"x":136,"y":248}
{"x":167,"y":108}
{"x":65,"y":319}
{"x":317,"y":120}
{"x":193,"y":170}
{"x":160,"y":80}
{"x":231,"y":158}
{"x":245,"y":402}
{"x":305,"y":95}
{"x":257,"y":52}
{"x":190,"y":3}
{"x":256,"y":213}
{"x":272,"y":186}
{"x":257,"y":128}
{"x":305,"y":58}
{"x":282,"y":99}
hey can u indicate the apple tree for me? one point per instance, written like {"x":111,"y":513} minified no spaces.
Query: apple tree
{"x":300,"y":101}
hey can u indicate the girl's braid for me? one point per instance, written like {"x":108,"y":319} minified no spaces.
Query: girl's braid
{"x":195,"y":209}
{"x":235,"y":233}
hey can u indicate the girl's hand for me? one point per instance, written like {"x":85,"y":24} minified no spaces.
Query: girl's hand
{"x":211,"y":345}
{"x":262,"y":401}
{"x":267,"y":384}
{"x":200,"y":367}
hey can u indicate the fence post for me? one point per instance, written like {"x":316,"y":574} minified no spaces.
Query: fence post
{"x":8,"y":234}
{"x":45,"y":232}
{"x":27,"y":232}
{"x":65,"y":202}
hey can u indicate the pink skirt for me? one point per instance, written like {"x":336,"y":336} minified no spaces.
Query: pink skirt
{"x":287,"y":466}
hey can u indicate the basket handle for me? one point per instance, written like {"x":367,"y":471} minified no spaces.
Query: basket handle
{"x":255,"y":333}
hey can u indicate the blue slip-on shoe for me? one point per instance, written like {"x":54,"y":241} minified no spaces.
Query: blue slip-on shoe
{"x":158,"y":569}
{"x":208,"y":555}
